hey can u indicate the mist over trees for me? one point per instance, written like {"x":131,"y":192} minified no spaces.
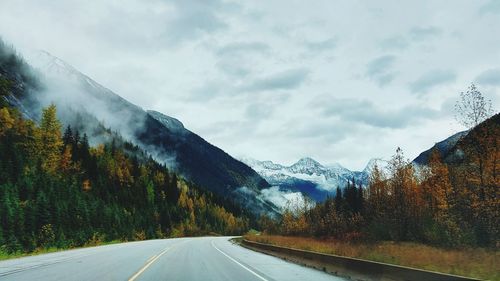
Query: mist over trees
{"x":58,"y":191}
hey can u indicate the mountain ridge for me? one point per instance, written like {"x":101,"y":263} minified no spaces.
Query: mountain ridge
{"x":309,"y":176}
{"x":162,"y":136}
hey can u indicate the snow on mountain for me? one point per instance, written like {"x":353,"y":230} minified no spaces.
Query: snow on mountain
{"x":381,"y":164}
{"x":310,"y":177}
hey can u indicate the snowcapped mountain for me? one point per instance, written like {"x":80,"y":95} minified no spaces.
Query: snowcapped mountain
{"x":310,"y":177}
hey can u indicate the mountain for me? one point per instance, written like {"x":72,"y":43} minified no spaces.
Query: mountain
{"x":479,"y":144}
{"x":87,"y":105}
{"x":444,"y":147}
{"x":310,"y":177}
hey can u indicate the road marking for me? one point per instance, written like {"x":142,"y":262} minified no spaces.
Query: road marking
{"x":150,"y":262}
{"x":251,"y":271}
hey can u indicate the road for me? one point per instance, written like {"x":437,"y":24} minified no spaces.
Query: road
{"x":190,"y":259}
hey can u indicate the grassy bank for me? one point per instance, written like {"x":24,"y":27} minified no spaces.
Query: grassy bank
{"x":4,"y":255}
{"x":473,"y":262}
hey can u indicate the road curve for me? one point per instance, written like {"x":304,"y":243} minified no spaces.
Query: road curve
{"x":190,"y":259}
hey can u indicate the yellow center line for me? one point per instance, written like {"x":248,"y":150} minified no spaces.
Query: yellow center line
{"x":149,"y":262}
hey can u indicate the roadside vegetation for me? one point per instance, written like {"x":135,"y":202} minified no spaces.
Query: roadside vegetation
{"x":444,"y":216}
{"x":480,"y":263}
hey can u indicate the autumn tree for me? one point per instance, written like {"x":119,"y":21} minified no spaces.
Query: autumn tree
{"x":49,"y":139}
{"x":479,"y":180}
{"x":436,"y":186}
{"x":404,"y":197}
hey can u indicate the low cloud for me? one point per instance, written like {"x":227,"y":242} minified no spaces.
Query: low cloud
{"x":431,"y":80}
{"x":281,"y":198}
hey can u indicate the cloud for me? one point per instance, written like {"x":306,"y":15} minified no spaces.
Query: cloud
{"x":416,"y":34}
{"x":225,"y":60}
{"x":423,"y":33}
{"x":431,"y":80}
{"x":206,"y":92}
{"x":243,"y":47}
{"x":379,"y":69}
{"x":285,"y":80}
{"x":320,"y":129}
{"x":258,"y":111}
{"x":492,"y":6}
{"x":394,"y":43}
{"x":281,"y":198}
{"x":490,"y":77}
{"x":238,"y":59}
{"x":192,"y":19}
{"x":363,"y":111}
{"x":318,"y":46}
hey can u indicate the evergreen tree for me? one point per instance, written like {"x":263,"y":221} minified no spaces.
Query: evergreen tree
{"x":68,"y":136}
{"x":338,"y":199}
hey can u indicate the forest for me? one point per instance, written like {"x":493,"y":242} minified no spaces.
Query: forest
{"x":451,"y":202}
{"x":56,"y":190}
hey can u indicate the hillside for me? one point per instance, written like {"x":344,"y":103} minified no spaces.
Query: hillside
{"x":444,"y":147}
{"x":85,"y":104}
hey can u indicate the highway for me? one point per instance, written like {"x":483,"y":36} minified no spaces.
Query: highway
{"x":179,"y":259}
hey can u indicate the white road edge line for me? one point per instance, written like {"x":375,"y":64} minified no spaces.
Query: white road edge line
{"x":151,"y":261}
{"x":251,"y":271}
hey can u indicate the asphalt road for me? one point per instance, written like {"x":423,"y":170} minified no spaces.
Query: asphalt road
{"x":190,"y":259}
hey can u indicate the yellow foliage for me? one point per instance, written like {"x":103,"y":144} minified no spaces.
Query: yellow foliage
{"x":86,"y":185}
{"x":6,"y":120}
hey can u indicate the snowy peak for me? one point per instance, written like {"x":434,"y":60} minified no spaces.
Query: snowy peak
{"x":308,"y":176}
{"x":51,"y":65}
{"x":307,"y":166}
{"x":270,"y":165}
{"x":374,"y":162}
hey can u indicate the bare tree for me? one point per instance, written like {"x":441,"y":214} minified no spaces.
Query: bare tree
{"x":472,"y":108}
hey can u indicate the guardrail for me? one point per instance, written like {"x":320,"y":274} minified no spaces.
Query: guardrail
{"x":355,"y":269}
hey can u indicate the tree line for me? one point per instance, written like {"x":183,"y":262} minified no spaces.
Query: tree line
{"x":56,"y":190}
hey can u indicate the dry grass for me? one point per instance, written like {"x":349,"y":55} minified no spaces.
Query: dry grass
{"x":474,"y":262}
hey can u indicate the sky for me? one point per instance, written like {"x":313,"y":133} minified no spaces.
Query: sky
{"x":338,"y":81}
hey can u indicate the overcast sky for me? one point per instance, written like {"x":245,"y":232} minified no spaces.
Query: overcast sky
{"x":339,"y":81}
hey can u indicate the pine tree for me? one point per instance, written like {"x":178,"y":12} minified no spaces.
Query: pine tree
{"x":68,"y":136}
{"x":338,"y":199}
